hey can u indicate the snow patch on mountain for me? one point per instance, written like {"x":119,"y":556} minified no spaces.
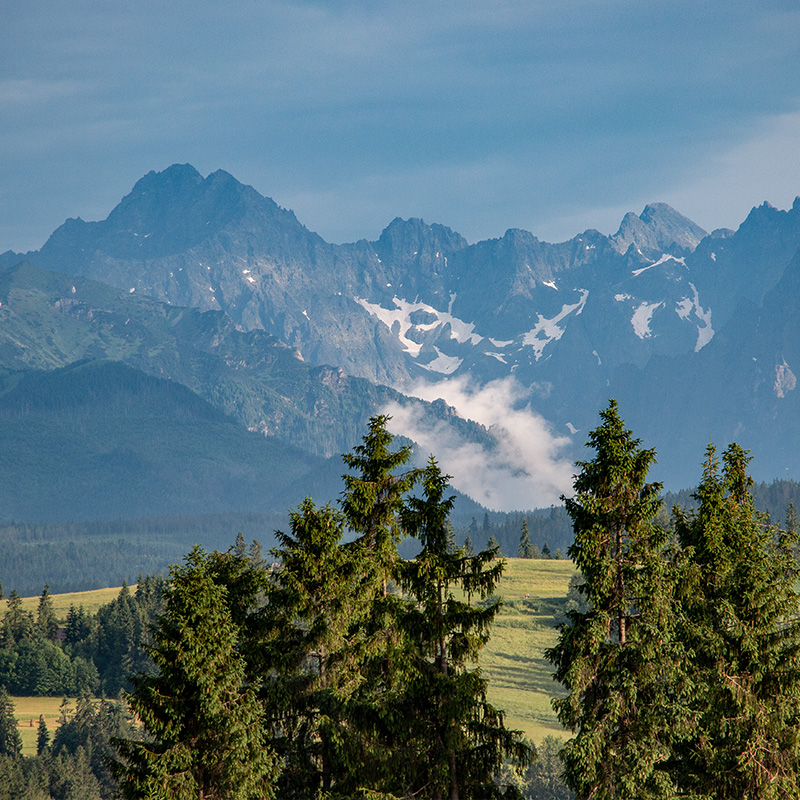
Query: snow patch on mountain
{"x":684,"y":307}
{"x":663,"y":260}
{"x":705,"y":333}
{"x":398,"y":320}
{"x":547,"y":330}
{"x":446,"y":365}
{"x":641,"y":318}
{"x":690,"y":306}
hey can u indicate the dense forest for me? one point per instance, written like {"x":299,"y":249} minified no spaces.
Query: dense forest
{"x":336,"y":667}
{"x":76,"y":556}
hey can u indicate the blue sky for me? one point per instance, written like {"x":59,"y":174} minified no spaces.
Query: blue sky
{"x":551,"y":116}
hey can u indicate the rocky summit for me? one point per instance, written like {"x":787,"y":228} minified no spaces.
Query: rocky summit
{"x":694,"y":333}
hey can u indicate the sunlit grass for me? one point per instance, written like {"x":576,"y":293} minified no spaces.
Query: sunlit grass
{"x":91,"y":601}
{"x":27,"y":711}
{"x":520,"y":677}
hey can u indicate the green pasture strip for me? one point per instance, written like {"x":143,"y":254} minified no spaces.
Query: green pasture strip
{"x":27,"y":711}
{"x":520,"y":677}
{"x":91,"y":601}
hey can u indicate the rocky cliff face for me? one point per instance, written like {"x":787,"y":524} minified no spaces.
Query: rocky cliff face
{"x":635,"y":314}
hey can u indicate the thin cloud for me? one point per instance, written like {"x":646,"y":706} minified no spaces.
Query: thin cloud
{"x":526,"y":469}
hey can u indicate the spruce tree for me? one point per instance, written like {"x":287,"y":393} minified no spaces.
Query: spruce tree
{"x":373,"y":496}
{"x":792,"y":524}
{"x":204,"y":725}
{"x":456,"y":740}
{"x":371,"y":504}
{"x":10,"y":739}
{"x":316,"y":609}
{"x":740,"y":624}
{"x":42,"y":736}
{"x":46,"y":623}
{"x":525,"y":547}
{"x":615,"y":655}
{"x":18,"y":623}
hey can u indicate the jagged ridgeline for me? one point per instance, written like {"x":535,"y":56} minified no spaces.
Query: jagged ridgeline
{"x":201,"y":351}
{"x":695,"y":334}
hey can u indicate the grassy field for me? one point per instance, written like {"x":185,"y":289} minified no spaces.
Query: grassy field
{"x":520,"y":678}
{"x":27,"y":711}
{"x":91,"y":601}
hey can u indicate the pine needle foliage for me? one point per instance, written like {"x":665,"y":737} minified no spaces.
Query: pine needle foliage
{"x":373,"y":497}
{"x":457,"y":741}
{"x":525,"y":549}
{"x":741,"y":627}
{"x":204,"y":725}
{"x":616,"y":656}
{"x":10,"y":739}
{"x":316,"y":607}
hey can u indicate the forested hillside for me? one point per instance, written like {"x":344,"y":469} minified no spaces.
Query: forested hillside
{"x":336,"y":667}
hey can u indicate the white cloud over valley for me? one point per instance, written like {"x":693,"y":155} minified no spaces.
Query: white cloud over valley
{"x":526,"y":469}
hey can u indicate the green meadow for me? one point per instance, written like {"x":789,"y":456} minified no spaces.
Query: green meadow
{"x":27,"y":711}
{"x":91,"y":601}
{"x":520,"y":677}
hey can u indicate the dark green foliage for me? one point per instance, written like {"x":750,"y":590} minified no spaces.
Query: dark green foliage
{"x":542,"y":779}
{"x":615,"y":657}
{"x":792,"y":524}
{"x":494,"y":546}
{"x":204,"y":724}
{"x":10,"y":739}
{"x":741,"y":627}
{"x":371,"y":504}
{"x":316,"y":607}
{"x":90,"y":731}
{"x":551,"y":525}
{"x":121,"y":628}
{"x":108,"y":441}
{"x":42,"y":737}
{"x":36,"y":667}
{"x":18,"y":624}
{"x":46,"y":624}
{"x":525,"y":549}
{"x":31,"y":662}
{"x":78,"y":626}
{"x":78,"y":556}
{"x":373,"y":497}
{"x":455,"y":740}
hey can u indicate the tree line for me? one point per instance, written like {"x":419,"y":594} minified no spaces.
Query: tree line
{"x":92,"y":654}
{"x":682,"y":662}
{"x":346,"y":670}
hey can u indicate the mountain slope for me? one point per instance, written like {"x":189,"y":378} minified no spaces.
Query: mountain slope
{"x":49,"y":320}
{"x":639,"y":314}
{"x":102,"y":440}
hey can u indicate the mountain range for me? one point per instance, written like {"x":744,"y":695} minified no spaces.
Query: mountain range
{"x":207,"y":283}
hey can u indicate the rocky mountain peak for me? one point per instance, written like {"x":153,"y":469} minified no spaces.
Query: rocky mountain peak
{"x":658,"y":228}
{"x":410,"y":240}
